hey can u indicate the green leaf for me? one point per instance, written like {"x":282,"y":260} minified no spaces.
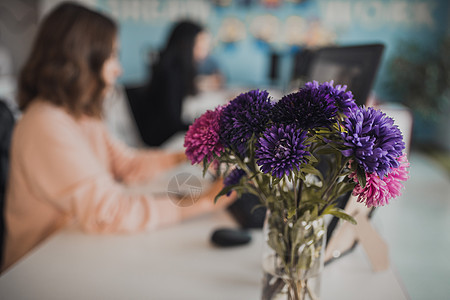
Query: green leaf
{"x":277,"y":243}
{"x":324,"y":151}
{"x":291,"y":213}
{"x":314,"y":201}
{"x":340,"y":213}
{"x":345,"y":187}
{"x":224,"y":191}
{"x":311,"y":170}
{"x":315,"y":212}
{"x":276,"y":180}
{"x":361,"y":175}
{"x":312,"y":159}
{"x":206,"y":165}
{"x":255,"y":207}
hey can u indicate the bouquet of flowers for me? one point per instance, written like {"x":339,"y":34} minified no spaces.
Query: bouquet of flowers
{"x":299,"y":155}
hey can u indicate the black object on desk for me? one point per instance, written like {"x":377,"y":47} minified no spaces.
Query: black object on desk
{"x":229,"y":237}
{"x":247,"y":216}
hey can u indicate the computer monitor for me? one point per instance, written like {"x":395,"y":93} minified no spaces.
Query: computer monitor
{"x":354,"y":66}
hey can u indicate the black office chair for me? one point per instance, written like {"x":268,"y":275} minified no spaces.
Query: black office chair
{"x":6,"y":128}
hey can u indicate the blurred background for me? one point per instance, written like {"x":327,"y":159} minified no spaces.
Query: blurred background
{"x":256,"y":44}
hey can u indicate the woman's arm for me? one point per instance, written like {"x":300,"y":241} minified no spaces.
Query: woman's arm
{"x":135,"y":166}
{"x":62,"y":169}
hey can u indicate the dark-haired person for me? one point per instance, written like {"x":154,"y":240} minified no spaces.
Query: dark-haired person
{"x":65,"y":167}
{"x":158,"y":107}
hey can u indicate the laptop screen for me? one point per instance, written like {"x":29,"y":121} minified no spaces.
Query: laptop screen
{"x":354,"y":66}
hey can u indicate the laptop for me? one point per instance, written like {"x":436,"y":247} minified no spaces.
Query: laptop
{"x":355,"y":66}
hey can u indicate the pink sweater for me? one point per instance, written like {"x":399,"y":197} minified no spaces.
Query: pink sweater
{"x":70,"y":170}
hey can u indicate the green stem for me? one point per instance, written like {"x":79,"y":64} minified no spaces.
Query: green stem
{"x":248,"y":171}
{"x":292,"y":291}
{"x":299,"y":195}
{"x":333,"y":181}
{"x":296,"y":197}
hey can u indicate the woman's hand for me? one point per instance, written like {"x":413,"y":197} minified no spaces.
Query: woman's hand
{"x":178,"y":157}
{"x":206,"y":201}
{"x":152,"y":164}
{"x":164,"y":160}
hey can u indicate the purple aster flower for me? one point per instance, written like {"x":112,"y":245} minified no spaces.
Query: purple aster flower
{"x":233,"y":178}
{"x":202,"y":138}
{"x":308,"y":108}
{"x":245,"y":115}
{"x":373,"y":140}
{"x":342,"y":99}
{"x":281,"y":149}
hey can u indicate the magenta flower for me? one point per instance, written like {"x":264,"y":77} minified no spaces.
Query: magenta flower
{"x":378,"y":191}
{"x":202,"y":138}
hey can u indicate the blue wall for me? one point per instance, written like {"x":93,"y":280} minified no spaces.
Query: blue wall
{"x":145,"y":24}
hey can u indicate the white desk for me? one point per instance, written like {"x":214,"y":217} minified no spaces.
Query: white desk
{"x":173,"y":263}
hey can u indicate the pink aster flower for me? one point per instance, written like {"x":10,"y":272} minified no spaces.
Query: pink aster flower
{"x":378,"y":191}
{"x":202,"y":138}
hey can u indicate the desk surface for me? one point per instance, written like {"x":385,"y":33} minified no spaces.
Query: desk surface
{"x":177,"y":262}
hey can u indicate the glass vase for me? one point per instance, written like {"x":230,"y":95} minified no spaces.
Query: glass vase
{"x":293,"y":256}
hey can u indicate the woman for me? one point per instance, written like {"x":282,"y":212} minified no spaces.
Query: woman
{"x":64,"y":165}
{"x":157,"y":108}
